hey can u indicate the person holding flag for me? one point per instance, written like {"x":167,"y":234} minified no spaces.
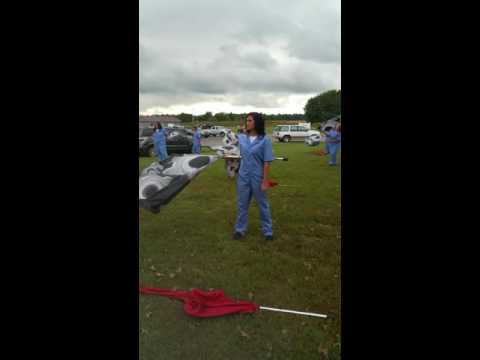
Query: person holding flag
{"x":252,"y":180}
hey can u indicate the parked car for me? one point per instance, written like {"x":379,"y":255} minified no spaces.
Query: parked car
{"x":145,"y":132}
{"x":178,"y":142}
{"x":188,"y":131}
{"x":175,"y":126}
{"x":205,"y":130}
{"x":287,"y":133}
{"x":218,"y":130}
{"x":314,"y":140}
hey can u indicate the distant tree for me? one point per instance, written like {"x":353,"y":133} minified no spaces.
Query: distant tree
{"x":185,"y":117}
{"x":221,"y":117}
{"x":324,"y":106}
{"x":235,"y":118}
{"x":200,"y":119}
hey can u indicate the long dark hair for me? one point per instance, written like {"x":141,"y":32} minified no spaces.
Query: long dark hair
{"x":158,"y":125}
{"x":259,"y":122}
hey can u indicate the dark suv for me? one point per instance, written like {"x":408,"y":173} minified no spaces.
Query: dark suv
{"x":178,"y":142}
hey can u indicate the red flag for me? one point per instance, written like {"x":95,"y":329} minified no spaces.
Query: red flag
{"x":320,"y":152}
{"x":205,"y":304}
{"x":272,"y":183}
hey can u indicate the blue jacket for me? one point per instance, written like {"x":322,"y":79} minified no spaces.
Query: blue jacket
{"x":254,"y":155}
{"x":196,"y":137}
{"x":333,"y":137}
{"x":160,"y":137}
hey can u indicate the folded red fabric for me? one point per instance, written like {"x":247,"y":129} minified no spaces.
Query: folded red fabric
{"x":272,"y":183}
{"x":205,"y":304}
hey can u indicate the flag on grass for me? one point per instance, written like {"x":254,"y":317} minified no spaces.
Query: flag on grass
{"x":204,"y":304}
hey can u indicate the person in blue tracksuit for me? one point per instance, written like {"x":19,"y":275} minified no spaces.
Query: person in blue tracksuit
{"x":327,"y":129}
{"x":252,"y":180}
{"x":197,"y":137}
{"x":160,"y":142}
{"x":333,"y":145}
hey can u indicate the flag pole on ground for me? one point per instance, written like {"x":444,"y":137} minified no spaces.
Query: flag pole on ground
{"x":214,"y":303}
{"x":293,"y":312}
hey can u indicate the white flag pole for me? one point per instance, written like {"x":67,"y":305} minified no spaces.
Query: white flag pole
{"x":293,"y":312}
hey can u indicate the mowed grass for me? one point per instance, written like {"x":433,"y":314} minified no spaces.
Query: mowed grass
{"x":189,"y":245}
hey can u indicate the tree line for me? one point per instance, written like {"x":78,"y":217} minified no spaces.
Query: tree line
{"x":208,"y":117}
{"x":320,"y":108}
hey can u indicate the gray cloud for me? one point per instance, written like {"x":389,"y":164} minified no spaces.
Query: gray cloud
{"x":255,"y":52}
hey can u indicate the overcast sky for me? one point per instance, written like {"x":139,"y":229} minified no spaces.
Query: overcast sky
{"x":237,"y":56}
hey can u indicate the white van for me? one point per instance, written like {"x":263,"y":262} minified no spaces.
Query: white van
{"x":287,"y":133}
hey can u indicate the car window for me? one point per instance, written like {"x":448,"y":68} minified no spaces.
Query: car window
{"x":302,"y":128}
{"x":146,"y":132}
{"x":281,"y":128}
{"x":294,"y":128}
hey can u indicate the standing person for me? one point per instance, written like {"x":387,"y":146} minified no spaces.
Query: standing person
{"x":252,"y":179}
{"x":160,"y":141}
{"x":197,"y":138}
{"x":333,"y":143}
{"x":327,"y":129}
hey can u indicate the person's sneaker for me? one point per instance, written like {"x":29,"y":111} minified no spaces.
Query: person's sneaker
{"x":269,"y":237}
{"x":237,"y":235}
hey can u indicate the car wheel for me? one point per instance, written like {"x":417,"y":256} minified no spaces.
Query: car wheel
{"x":222,"y":134}
{"x":151,"y":152}
{"x":286,"y":139}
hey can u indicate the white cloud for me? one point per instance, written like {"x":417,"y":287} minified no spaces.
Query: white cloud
{"x":198,"y":56}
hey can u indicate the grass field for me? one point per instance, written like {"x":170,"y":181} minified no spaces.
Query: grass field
{"x":189,"y":245}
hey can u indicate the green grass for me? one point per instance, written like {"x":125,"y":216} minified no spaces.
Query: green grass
{"x":188,"y":245}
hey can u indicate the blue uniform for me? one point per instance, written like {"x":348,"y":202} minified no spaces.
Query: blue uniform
{"x":196,"y":147}
{"x":333,"y":145}
{"x":249,"y":181}
{"x":160,"y":143}
{"x":327,"y":151}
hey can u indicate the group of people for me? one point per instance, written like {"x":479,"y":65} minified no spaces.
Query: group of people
{"x":252,"y":180}
{"x":160,"y":141}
